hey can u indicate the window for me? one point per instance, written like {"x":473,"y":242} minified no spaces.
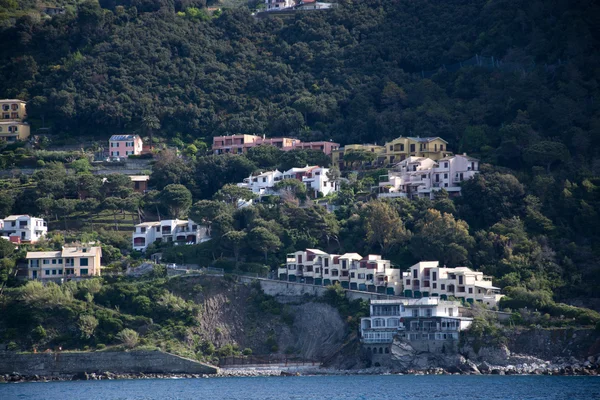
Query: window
{"x":415,"y":273}
{"x":53,"y":272}
{"x":60,"y":260}
{"x":326,"y":271}
{"x":60,"y":271}
{"x":434,"y":285}
{"x":83,"y":271}
{"x":443,"y":287}
{"x":445,"y":176}
{"x":428,"y":312}
{"x":361,"y":276}
{"x":415,"y":313}
{"x":54,"y":261}
{"x":434,"y":276}
{"x":352,"y":275}
{"x":460,"y":280}
{"x":470,"y":290}
{"x":46,"y":262}
{"x":14,"y":107}
{"x":408,"y":281}
{"x":46,"y":272}
{"x":5,"y":107}
{"x":83,"y":262}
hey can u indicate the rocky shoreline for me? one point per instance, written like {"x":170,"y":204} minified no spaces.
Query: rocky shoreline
{"x":587,"y":368}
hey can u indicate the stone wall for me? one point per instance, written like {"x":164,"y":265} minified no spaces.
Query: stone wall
{"x":47,"y":364}
{"x":293,"y":291}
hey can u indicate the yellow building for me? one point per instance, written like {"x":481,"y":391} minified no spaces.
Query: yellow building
{"x":403,"y":147}
{"x":11,"y":131}
{"x":13,"y":110}
{"x":337,"y":156}
{"x":72,"y":262}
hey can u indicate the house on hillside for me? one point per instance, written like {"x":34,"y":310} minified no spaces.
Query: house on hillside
{"x":23,"y":228}
{"x":239,"y":144}
{"x":422,"y":177}
{"x":169,"y":230}
{"x":72,"y":262}
{"x":12,"y":126}
{"x":140,"y":182}
{"x":125,"y":145}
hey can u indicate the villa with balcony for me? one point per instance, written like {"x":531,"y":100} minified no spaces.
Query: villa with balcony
{"x":350,"y":270}
{"x":23,"y":228}
{"x":422,"y":177}
{"x":73,"y":262}
{"x":169,"y":230}
{"x":428,"y":279}
{"x":427,"y":318}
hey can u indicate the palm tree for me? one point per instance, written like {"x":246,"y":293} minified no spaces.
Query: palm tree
{"x":150,"y":122}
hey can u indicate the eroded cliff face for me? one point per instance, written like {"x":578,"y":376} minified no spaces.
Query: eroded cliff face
{"x":230,"y":315}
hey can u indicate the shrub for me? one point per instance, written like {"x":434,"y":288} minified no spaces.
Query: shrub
{"x":12,"y":346}
{"x":39,"y":333}
{"x":128,"y":337}
{"x":87,"y":325}
{"x":247,"y":351}
{"x":100,"y":346}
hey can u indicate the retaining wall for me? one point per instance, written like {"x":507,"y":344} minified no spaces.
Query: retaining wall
{"x":47,"y":364}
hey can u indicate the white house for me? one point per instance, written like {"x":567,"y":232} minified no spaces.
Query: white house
{"x":317,"y":181}
{"x":422,"y":177}
{"x":428,"y":279}
{"x":350,"y":270}
{"x":429,"y":318}
{"x":169,"y":230}
{"x":23,"y":228}
{"x":262,"y":183}
{"x":276,"y":5}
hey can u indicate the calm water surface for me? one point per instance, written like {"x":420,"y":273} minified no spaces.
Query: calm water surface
{"x":317,"y":387}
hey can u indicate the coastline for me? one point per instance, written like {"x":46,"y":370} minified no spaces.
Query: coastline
{"x":585,"y":369}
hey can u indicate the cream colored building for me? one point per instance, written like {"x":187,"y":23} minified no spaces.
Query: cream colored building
{"x":13,"y":110}
{"x":428,"y":279}
{"x":12,"y":114}
{"x":403,"y":147}
{"x":72,"y":262}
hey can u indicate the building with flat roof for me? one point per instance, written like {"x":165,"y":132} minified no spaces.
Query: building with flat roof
{"x":125,"y":145}
{"x":239,"y":144}
{"x":72,"y":262}
{"x":169,"y":230}
{"x":23,"y":228}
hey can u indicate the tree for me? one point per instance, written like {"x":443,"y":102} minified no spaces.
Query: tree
{"x":546,"y":153}
{"x":128,"y":337}
{"x":359,"y":157}
{"x":6,"y":204}
{"x":177,"y":199}
{"x":292,"y":186}
{"x":263,"y":240}
{"x":235,"y":240}
{"x":440,"y":237}
{"x":234,"y":195}
{"x":64,"y":207}
{"x":87,"y":325}
{"x":264,"y":156}
{"x":150,"y":123}
{"x":382,"y":225}
{"x":169,"y":169}
{"x":81,"y":165}
{"x":205,"y":211}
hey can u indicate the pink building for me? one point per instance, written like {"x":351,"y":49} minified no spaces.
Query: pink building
{"x":238,"y":144}
{"x":125,"y":145}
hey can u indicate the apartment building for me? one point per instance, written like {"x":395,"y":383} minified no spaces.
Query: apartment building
{"x":125,"y":145}
{"x":170,"y":230}
{"x":422,"y":177}
{"x":239,"y":144}
{"x":12,"y":127}
{"x":350,"y":270}
{"x":23,"y":228}
{"x":276,"y":5}
{"x":428,"y":318}
{"x":403,"y":147}
{"x":428,"y":279}
{"x":314,"y":178}
{"x":72,"y":262}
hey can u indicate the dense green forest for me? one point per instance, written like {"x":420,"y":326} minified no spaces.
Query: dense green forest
{"x":352,"y":75}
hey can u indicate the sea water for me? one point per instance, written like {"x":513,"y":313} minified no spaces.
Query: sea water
{"x":346,"y":387}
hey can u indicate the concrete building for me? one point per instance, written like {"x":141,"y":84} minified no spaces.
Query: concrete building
{"x":276,"y":5}
{"x":12,"y":127}
{"x":170,"y":230}
{"x":239,"y":144}
{"x":350,"y":270}
{"x":428,"y":279}
{"x":403,"y":147}
{"x":72,"y":262}
{"x":263,"y":183}
{"x":422,"y":177}
{"x":313,"y":5}
{"x":125,"y":145}
{"x":23,"y":228}
{"x":317,"y":181}
{"x":412,"y":319}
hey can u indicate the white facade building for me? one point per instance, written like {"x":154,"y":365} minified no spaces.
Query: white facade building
{"x":350,"y":270}
{"x":422,"y":177}
{"x":427,"y":278}
{"x":170,"y":230}
{"x":314,"y":178}
{"x":276,"y":5}
{"x":23,"y":228}
{"x":413,"y":319}
{"x":262,"y":184}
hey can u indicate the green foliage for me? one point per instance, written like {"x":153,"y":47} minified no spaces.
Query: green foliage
{"x":128,"y":337}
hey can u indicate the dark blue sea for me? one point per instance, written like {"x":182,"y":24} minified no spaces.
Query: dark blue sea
{"x":389,"y":387}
